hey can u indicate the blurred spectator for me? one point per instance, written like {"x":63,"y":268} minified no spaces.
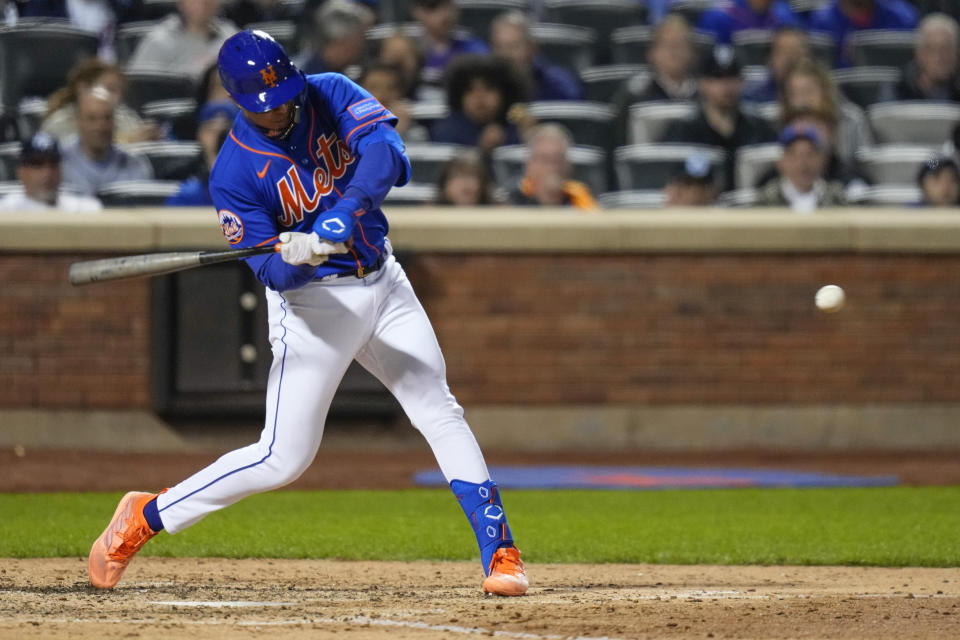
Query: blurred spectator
{"x":39,"y":173}
{"x":672,"y":59}
{"x":465,"y":182}
{"x":826,"y":126}
{"x":800,"y":184}
{"x":720,"y":122}
{"x":736,"y":15}
{"x":939,"y":181}
{"x":440,"y":44}
{"x":841,"y":17}
{"x":385,"y":83}
{"x":95,"y":16}
{"x":510,"y":39}
{"x":184,"y":42}
{"x":337,"y":38}
{"x":61,"y":118}
{"x":809,"y":85}
{"x":789,"y":45}
{"x":403,"y":53}
{"x":243,"y":12}
{"x":695,"y":185}
{"x":91,"y":159}
{"x":195,"y":190}
{"x":546,"y":180}
{"x":932,"y":75}
{"x":211,"y":94}
{"x":480,"y":91}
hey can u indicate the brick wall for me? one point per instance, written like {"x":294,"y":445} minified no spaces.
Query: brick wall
{"x":564,"y":329}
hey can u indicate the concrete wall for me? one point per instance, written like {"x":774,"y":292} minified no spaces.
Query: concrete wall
{"x":560,"y":329}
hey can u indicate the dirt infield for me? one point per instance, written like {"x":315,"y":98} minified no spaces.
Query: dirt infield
{"x":212,"y":598}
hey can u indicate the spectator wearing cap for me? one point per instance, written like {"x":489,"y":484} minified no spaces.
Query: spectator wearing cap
{"x":510,"y":38}
{"x":840,"y":18}
{"x":92,"y":161}
{"x":546,"y":180}
{"x":672,"y":57}
{"x":184,"y":42}
{"x":39,"y":173}
{"x":789,"y":44}
{"x":695,"y":185}
{"x":481,"y":90}
{"x":440,"y":42}
{"x":720,"y":122}
{"x":932,"y":75}
{"x":736,"y":15}
{"x":801,"y":185}
{"x":939,"y":182}
{"x":338,"y":38}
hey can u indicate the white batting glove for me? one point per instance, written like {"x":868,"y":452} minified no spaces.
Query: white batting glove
{"x":307,"y":248}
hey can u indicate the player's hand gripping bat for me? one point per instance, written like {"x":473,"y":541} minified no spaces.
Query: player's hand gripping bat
{"x":155,"y":264}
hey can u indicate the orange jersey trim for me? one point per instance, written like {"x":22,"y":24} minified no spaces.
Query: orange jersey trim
{"x":360,"y":126}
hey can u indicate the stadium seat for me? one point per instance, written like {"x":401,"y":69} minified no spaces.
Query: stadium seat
{"x":865,"y":86}
{"x":738,"y":198}
{"x":752,"y":46}
{"x":893,"y":164}
{"x":888,"y":196}
{"x":27,"y":67}
{"x":129,"y":36}
{"x":882,"y":47}
{"x":427,"y":159}
{"x":691,"y":9}
{"x":567,"y":45}
{"x":30,"y":116}
{"x":651,"y":166}
{"x":639,"y":199}
{"x":823,"y":47}
{"x":589,"y":166}
{"x":590,"y":123}
{"x":913,"y":122}
{"x":601,"y":83}
{"x":476,"y":15}
{"x":426,"y":113}
{"x":411,"y":194}
{"x":648,"y":121}
{"x":380,"y":32}
{"x":603,"y":16}
{"x":157,"y":9}
{"x":768,"y":111}
{"x":10,"y":186}
{"x":629,"y":45}
{"x":283,"y":31}
{"x":9,"y":160}
{"x":753,"y":161}
{"x":138,"y":193}
{"x":150,"y":86}
{"x":170,"y":160}
{"x":178,"y":115}
{"x":394,"y":10}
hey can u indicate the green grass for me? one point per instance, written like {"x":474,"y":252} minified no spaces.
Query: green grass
{"x":899,"y":526}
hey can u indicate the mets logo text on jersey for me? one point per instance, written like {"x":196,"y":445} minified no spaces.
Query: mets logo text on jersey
{"x":293,"y":195}
{"x":231,"y":225}
{"x":269,"y":76}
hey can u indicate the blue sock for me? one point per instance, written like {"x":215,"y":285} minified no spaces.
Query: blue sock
{"x":152,"y":516}
{"x":481,"y":503}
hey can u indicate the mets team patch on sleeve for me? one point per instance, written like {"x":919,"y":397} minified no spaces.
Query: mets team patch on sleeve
{"x":365,"y":108}
{"x":231,"y":225}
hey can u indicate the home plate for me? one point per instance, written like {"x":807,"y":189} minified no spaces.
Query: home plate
{"x":220,"y":604}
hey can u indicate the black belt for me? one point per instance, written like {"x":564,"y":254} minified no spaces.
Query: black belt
{"x":363,"y":272}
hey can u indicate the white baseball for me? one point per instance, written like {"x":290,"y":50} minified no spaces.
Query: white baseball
{"x":830,"y":298}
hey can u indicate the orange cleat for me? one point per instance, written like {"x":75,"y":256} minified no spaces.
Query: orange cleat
{"x":120,"y":541}
{"x":507,"y":577}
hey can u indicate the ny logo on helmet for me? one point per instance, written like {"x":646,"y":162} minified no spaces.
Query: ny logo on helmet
{"x":269,"y":76}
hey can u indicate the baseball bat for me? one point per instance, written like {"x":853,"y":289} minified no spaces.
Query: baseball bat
{"x":155,"y":264}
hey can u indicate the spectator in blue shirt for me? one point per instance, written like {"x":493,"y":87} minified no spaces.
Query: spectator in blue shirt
{"x":440,"y":42}
{"x":840,"y":18}
{"x":481,"y":90}
{"x":736,"y":15}
{"x":510,"y":39}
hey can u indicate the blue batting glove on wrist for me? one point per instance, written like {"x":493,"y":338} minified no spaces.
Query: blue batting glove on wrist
{"x":336,"y":224}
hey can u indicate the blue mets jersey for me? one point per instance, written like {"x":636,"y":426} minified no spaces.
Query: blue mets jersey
{"x":262,"y":186}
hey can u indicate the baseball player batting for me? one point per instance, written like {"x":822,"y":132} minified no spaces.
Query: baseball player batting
{"x":307,"y":164}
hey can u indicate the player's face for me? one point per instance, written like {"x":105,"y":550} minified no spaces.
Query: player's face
{"x":41,"y":179}
{"x":482,"y":102}
{"x":276,"y":122}
{"x":802,"y":164}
